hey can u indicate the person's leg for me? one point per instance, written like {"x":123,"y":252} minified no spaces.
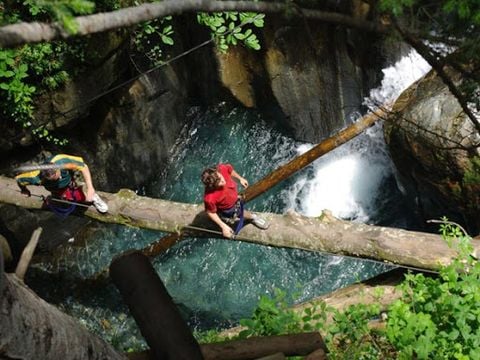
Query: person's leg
{"x":255,"y":220}
{"x":99,"y":204}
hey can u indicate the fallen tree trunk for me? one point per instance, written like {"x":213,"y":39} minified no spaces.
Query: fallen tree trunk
{"x":321,"y":234}
{"x":20,"y":33}
{"x":30,"y":328}
{"x":255,"y":347}
{"x":327,"y":145}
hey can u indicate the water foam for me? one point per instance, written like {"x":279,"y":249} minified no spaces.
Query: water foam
{"x":350,"y":180}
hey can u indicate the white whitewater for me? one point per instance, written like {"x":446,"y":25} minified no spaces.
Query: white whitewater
{"x":348,"y":181}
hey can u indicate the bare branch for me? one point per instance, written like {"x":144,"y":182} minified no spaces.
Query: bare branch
{"x":27,"y":254}
{"x":21,"y":33}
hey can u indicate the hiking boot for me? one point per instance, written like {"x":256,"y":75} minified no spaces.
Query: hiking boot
{"x":99,"y":204}
{"x":259,"y":222}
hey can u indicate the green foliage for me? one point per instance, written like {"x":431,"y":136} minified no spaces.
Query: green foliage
{"x":41,"y":64}
{"x":472,"y":175}
{"x":350,"y":337}
{"x":465,"y":9}
{"x":436,"y":318}
{"x":453,"y":23}
{"x":28,"y":71}
{"x":230,"y":28}
{"x":17,"y":94}
{"x":396,"y":7}
{"x":272,"y":317}
{"x":439,"y":318}
{"x":61,"y":10}
{"x":209,"y":336}
{"x":149,"y":35}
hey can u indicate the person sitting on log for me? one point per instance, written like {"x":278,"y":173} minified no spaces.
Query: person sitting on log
{"x":222,"y":202}
{"x":57,"y":176}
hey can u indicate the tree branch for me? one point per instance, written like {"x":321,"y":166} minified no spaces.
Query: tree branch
{"x":27,"y":254}
{"x":21,"y":33}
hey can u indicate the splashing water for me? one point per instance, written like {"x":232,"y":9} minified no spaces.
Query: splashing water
{"x":354,"y":181}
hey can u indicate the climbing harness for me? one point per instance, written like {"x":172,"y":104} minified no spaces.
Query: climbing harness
{"x":62,"y":211}
{"x":234,"y":215}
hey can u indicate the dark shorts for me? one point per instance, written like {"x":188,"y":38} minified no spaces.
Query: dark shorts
{"x":233,"y":214}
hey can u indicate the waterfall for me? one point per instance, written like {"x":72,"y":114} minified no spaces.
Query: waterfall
{"x":351,"y":180}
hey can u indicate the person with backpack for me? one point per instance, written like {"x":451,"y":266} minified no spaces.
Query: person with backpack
{"x":222,"y":203}
{"x":57,"y":176}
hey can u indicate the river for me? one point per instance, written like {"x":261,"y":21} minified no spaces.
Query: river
{"x":214,"y":282}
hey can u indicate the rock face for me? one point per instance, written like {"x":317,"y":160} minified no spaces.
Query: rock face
{"x":309,"y":77}
{"x":432,"y":143}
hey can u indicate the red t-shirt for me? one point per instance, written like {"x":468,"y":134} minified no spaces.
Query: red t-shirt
{"x":225,"y":197}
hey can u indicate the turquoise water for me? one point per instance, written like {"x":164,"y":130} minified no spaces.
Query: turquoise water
{"x":215,"y":282}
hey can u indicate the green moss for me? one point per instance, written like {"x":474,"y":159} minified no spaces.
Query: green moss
{"x":472,"y":175}
{"x":126,"y":194}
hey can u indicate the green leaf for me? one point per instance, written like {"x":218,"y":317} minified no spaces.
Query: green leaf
{"x":167,"y":40}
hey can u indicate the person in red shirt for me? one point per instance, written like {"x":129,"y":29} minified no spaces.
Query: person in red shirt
{"x":221,"y":200}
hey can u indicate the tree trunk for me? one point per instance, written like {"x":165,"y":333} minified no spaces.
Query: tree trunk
{"x":27,"y":254}
{"x":2,"y":270}
{"x":291,"y":230}
{"x":30,"y":328}
{"x":255,"y":347}
{"x":20,"y":33}
{"x":313,"y":154}
{"x":158,"y":318}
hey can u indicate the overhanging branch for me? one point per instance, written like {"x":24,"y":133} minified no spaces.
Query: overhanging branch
{"x":21,"y":33}
{"x":431,"y":57}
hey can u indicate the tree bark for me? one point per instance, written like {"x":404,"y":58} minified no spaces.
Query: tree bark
{"x":159,"y":320}
{"x":255,"y":347}
{"x":313,"y":154}
{"x":27,"y":254}
{"x":30,"y":328}
{"x":2,"y":270}
{"x":291,"y":230}
{"x":20,"y":33}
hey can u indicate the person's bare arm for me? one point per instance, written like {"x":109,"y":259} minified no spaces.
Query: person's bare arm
{"x":242,"y":180}
{"x":226,"y":230}
{"x":24,"y":190}
{"x":88,"y":181}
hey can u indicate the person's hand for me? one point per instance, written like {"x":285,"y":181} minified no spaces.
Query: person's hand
{"x":25,"y":191}
{"x":244,"y":182}
{"x":227,"y":231}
